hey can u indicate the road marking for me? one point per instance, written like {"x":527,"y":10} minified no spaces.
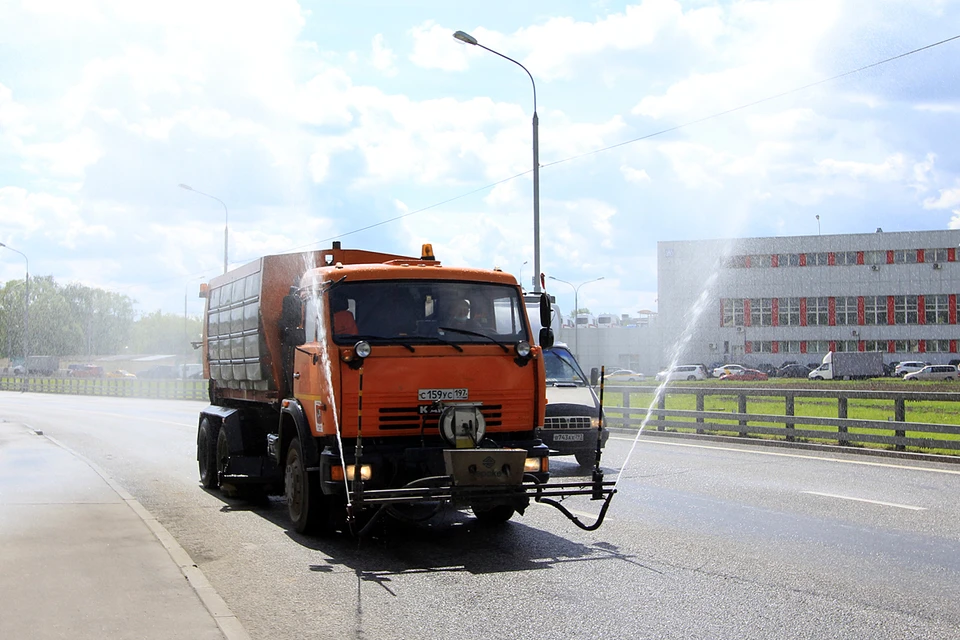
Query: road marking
{"x":880,"y":502}
{"x":797,"y":455}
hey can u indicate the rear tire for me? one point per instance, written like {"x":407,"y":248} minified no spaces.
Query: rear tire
{"x":207,"y":454}
{"x":691,"y":378}
{"x":306,"y":505}
{"x":495,"y":515}
{"x":586,"y":458}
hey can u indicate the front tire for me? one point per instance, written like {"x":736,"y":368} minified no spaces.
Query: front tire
{"x":691,"y":378}
{"x":305,"y":501}
{"x":495,"y":515}
{"x":586,"y":458}
{"x":207,"y":454}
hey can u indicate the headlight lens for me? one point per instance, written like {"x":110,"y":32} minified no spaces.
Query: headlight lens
{"x":336,"y":473}
{"x":594,"y":422}
{"x":536,"y":465}
{"x":523,"y":348}
{"x":362,"y":348}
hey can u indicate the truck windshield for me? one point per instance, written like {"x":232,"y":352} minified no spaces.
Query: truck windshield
{"x":561,"y":367}
{"x":412,"y":311}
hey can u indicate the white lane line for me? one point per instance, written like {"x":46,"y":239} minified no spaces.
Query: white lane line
{"x":880,"y":502}
{"x":796,"y":455}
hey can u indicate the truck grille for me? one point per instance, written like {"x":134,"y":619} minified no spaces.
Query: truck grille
{"x":567,"y":422}
{"x":391,"y":418}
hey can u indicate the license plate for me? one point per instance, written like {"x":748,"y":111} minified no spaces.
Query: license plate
{"x":433,"y":395}
{"x":568,"y":437}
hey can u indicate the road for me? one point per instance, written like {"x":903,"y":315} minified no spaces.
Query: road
{"x":702,"y":541}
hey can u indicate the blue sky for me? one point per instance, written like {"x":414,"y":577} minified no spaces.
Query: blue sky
{"x":314,"y":119}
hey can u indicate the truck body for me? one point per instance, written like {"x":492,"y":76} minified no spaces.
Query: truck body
{"x":346,"y":380}
{"x":43,"y":365}
{"x":849,"y":366}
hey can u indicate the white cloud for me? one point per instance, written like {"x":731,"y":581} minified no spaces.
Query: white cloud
{"x":435,"y":48}
{"x":636,"y":176}
{"x":893,"y":168}
{"x":947,"y":199}
{"x":382,"y":57}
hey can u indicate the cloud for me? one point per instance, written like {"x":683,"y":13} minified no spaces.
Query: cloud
{"x":893,"y":168}
{"x":636,"y":176}
{"x":948,"y":198}
{"x":382,"y":57}
{"x":435,"y":48}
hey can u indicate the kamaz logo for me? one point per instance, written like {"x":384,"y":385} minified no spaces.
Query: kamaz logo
{"x":488,"y":462}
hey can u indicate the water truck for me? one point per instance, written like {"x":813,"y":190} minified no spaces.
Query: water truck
{"x":359,"y":384}
{"x":849,"y":366}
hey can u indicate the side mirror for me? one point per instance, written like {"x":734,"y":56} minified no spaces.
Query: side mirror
{"x":546,"y":337}
{"x":594,"y":377}
{"x":294,"y":336}
{"x":545,"y":310}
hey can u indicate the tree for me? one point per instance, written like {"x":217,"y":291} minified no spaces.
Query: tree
{"x":166,"y":333}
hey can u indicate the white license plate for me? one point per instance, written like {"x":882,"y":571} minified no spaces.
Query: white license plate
{"x":568,"y":437}
{"x":433,"y":395}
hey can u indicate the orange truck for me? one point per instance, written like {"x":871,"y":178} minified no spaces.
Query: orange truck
{"x":359,"y":384}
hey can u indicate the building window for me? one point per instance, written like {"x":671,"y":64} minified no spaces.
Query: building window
{"x":904,"y":310}
{"x":762,"y":346}
{"x":846,"y":310}
{"x":907,"y":346}
{"x":875,"y":310}
{"x":874,"y":257}
{"x":936,"y":309}
{"x":818,"y":346}
{"x":905,"y":256}
{"x":845,"y":258}
{"x":790,"y":346}
{"x":936,"y":255}
{"x":788,"y":260}
{"x":847,"y":345}
{"x":789,"y":312}
{"x":875,"y":345}
{"x":732,"y":312}
{"x":818,"y":313}
{"x":761,"y":312}
{"x":736,"y":262}
{"x":938,"y":346}
{"x":817,"y":259}
{"x":762,"y":260}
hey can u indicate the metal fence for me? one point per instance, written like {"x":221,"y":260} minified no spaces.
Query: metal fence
{"x":894,"y":432}
{"x":172,"y":389}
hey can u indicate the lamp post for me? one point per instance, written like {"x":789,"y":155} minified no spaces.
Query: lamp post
{"x":520,"y":277}
{"x":576,"y":310}
{"x":26,"y":316}
{"x":467,"y":38}
{"x":226,"y":219}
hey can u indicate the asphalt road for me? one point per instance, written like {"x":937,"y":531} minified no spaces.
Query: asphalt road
{"x":702,"y":541}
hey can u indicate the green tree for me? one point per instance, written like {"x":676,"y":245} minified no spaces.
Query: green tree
{"x":166,"y":333}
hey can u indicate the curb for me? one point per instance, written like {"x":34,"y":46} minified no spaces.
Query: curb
{"x":227,"y":622}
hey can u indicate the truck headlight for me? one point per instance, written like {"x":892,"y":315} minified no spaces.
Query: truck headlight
{"x":336,"y":472}
{"x":362,"y":349}
{"x":595,"y":422}
{"x":523,"y":348}
{"x":536,"y":465}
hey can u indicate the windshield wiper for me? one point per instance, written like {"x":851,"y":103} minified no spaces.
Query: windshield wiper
{"x":479,"y":335}
{"x":441,"y":341}
{"x":393,"y":340}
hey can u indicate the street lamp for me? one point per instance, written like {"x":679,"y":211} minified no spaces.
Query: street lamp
{"x":467,"y":38}
{"x":520,"y":277}
{"x":26,"y":316}
{"x":226,"y":219}
{"x":576,"y":310}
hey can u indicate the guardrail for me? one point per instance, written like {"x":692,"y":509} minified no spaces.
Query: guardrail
{"x":172,"y":389}
{"x":798,"y":420}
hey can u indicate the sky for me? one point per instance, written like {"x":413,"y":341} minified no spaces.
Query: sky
{"x":367,"y":122}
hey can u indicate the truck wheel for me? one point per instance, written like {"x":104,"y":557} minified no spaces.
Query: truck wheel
{"x":207,"y":454}
{"x":586,"y":458}
{"x":494,"y":515}
{"x":305,"y":502}
{"x":817,"y":378}
{"x":691,"y":377}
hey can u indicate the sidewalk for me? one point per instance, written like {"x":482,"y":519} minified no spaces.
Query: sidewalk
{"x":80,"y":558}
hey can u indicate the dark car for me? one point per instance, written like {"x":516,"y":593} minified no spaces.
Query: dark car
{"x":571,"y":425}
{"x":767,"y":368}
{"x":746,"y":374}
{"x":794,"y":370}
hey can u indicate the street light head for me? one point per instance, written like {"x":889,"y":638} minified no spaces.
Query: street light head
{"x":465,"y":37}
{"x":186,"y":186}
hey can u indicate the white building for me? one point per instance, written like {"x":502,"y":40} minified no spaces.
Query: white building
{"x":771,"y":300}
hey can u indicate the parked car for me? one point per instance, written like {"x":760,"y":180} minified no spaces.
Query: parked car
{"x":908,"y":366}
{"x":85,"y":371}
{"x":746,"y":374}
{"x":934,"y":372}
{"x":120,"y":373}
{"x":727,"y":368}
{"x":683,"y":372}
{"x":767,"y":368}
{"x":623,"y":375}
{"x":793,"y":371}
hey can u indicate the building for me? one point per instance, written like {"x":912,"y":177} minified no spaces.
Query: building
{"x":774,"y":300}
